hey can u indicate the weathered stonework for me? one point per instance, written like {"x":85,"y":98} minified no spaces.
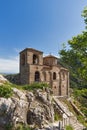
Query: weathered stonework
{"x":36,"y":68}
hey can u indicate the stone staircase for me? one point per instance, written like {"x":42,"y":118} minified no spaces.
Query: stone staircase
{"x":68,"y":117}
{"x":62,"y":107}
{"x":75,"y":124}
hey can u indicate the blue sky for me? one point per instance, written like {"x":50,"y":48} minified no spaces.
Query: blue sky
{"x":39,"y":24}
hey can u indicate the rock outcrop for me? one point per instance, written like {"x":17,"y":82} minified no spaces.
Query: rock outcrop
{"x":35,"y":108}
{"x":2,"y":79}
{"x":26,"y":108}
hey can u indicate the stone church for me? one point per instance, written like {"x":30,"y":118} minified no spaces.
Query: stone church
{"x":36,"y":68}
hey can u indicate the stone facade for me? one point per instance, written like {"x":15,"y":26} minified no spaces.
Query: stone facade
{"x":36,"y":68}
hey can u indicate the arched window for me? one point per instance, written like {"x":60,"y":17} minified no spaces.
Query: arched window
{"x":35,"y":59}
{"x":23,"y":59}
{"x":54,"y":75}
{"x":37,"y":76}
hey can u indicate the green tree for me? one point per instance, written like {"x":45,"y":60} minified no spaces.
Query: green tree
{"x":75,"y":58}
{"x":84,"y":14}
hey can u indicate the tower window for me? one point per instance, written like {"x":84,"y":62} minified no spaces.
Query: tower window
{"x":35,"y":59}
{"x":23,"y":59}
{"x":37,"y":76}
{"x":54,"y":76}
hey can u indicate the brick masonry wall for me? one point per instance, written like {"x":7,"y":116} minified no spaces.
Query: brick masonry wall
{"x":60,"y":85}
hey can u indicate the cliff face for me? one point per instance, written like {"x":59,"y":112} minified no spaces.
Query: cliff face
{"x":24,"y":107}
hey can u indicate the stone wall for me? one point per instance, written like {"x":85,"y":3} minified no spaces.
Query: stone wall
{"x":35,"y":68}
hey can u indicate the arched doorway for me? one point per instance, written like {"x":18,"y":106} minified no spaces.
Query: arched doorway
{"x":37,"y":76}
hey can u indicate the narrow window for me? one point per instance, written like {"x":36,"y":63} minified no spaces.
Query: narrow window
{"x":44,"y":76}
{"x":35,"y":59}
{"x":63,"y":76}
{"x":55,"y":87}
{"x":23,"y":59}
{"x":37,"y":76}
{"x":54,"y":76}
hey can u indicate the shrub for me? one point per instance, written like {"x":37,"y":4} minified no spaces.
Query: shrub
{"x":35,"y":86}
{"x":18,"y":127}
{"x":81,"y":97}
{"x":85,"y":128}
{"x":69,"y":127}
{"x":23,"y":127}
{"x":9,"y":126}
{"x":5,"y":91}
{"x":81,"y":119}
{"x":57,"y":116}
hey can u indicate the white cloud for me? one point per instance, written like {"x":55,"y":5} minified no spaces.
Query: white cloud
{"x":9,"y":65}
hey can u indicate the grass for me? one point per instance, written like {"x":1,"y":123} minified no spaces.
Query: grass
{"x":80,"y":96}
{"x":65,"y":101}
{"x":6,"y":89}
{"x":23,"y":127}
{"x":82,"y":120}
{"x":80,"y":100}
{"x":35,"y":85}
{"x":69,"y":127}
{"x":57,"y":116}
{"x":8,"y":127}
{"x":18,"y":127}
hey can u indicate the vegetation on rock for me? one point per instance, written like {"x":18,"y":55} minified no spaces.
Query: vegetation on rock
{"x":23,"y":127}
{"x":69,"y":127}
{"x":57,"y":116}
{"x":5,"y":91}
{"x":80,"y":96}
{"x":35,"y":85}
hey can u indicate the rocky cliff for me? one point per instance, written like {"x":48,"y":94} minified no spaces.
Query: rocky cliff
{"x":36,"y":108}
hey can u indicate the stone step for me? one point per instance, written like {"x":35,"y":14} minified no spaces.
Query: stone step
{"x":77,"y":126}
{"x":62,"y":107}
{"x":71,"y":119}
